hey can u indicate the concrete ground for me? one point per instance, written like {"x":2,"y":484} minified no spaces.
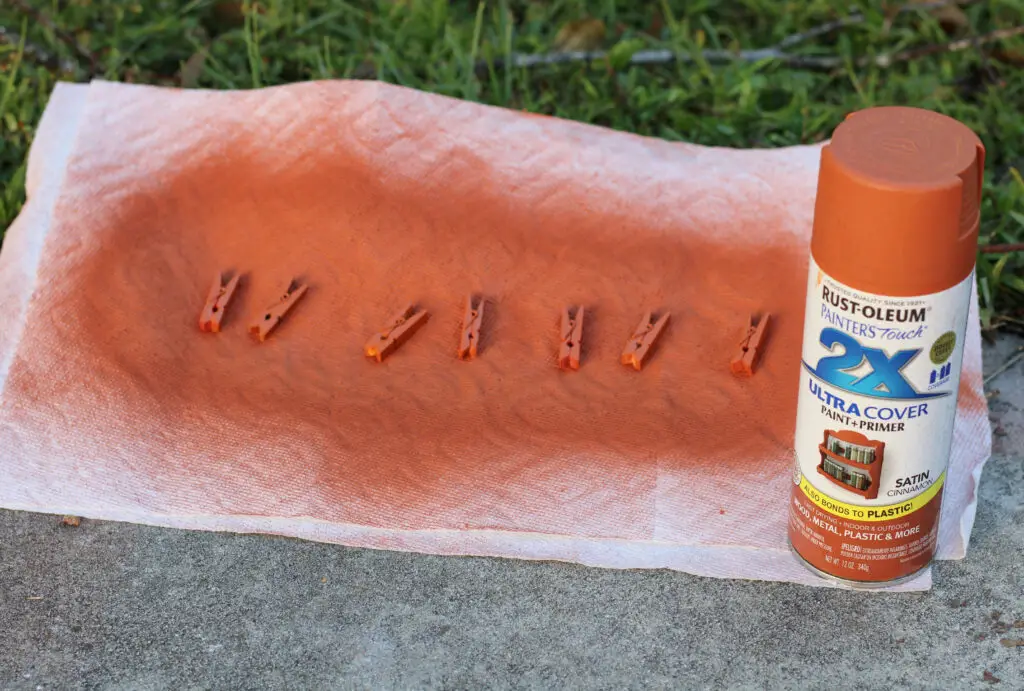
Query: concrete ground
{"x":118,"y":606}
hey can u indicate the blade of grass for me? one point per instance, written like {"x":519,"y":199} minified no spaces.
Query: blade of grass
{"x":252,"y":46}
{"x":474,"y":48}
{"x":506,"y":31}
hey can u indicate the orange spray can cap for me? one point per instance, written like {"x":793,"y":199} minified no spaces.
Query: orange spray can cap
{"x":898,"y":203}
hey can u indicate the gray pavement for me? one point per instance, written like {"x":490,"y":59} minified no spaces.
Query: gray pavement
{"x":118,"y":606}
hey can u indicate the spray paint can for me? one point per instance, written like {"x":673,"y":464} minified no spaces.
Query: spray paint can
{"x":892,"y":267}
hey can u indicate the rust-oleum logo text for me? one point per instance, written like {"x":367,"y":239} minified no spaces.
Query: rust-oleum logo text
{"x":904,"y":315}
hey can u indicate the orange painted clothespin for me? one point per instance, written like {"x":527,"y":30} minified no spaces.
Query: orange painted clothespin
{"x":471,"y":321}
{"x":642,"y":340}
{"x":273,"y":315}
{"x":217,"y":302}
{"x":751,"y":347}
{"x":402,"y":326}
{"x":572,"y":336}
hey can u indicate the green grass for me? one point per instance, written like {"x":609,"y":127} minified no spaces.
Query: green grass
{"x":440,"y":46}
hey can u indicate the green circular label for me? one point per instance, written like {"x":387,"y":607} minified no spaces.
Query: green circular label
{"x":943,"y":347}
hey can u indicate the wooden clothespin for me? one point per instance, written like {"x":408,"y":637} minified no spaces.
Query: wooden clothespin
{"x":217,"y":302}
{"x":471,"y":321}
{"x":642,"y":340}
{"x":402,"y":326}
{"x":751,"y":347}
{"x":571,"y":335}
{"x":273,"y":315}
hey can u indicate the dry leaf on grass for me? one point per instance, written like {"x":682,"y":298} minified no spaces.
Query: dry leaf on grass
{"x":951,"y":18}
{"x":989,"y":677}
{"x":229,"y":13}
{"x":71,"y":521}
{"x":1008,"y":56}
{"x":584,"y":34}
{"x":192,"y":70}
{"x":1012,"y":642}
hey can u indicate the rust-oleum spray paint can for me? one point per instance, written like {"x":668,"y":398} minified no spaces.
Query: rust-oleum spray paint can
{"x":892,"y":266}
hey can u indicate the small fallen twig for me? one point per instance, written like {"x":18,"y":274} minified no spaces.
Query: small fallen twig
{"x":853,"y":20}
{"x":808,"y":62}
{"x":1005,"y":366}
{"x":1002,"y":249}
{"x":64,"y":36}
{"x":953,"y":47}
{"x":777,"y":53}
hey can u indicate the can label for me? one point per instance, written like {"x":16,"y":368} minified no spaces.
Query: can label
{"x":878,"y":390}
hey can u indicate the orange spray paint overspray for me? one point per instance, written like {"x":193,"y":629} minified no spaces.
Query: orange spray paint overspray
{"x":891,"y":270}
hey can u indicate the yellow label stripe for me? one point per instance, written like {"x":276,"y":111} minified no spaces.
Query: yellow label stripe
{"x":870,"y":514}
